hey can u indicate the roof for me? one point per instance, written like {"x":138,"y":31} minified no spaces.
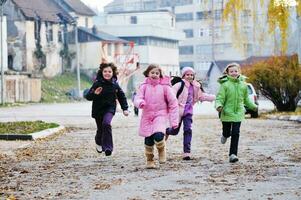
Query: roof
{"x":102,"y":36}
{"x":221,"y":64}
{"x":79,"y":7}
{"x":46,"y":10}
{"x":140,"y":11}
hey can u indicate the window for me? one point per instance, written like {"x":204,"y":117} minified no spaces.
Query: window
{"x":49,"y":32}
{"x":188,"y":33}
{"x":87,"y":22}
{"x":184,"y":17}
{"x":217,"y":14}
{"x":60,"y":36}
{"x":203,"y":15}
{"x":203,"y":49}
{"x":186,"y":50}
{"x":133,"y":19}
{"x":186,"y":64}
{"x":201,"y":32}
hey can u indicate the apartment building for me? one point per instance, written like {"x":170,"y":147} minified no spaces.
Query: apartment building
{"x":207,"y":37}
{"x":154,"y":35}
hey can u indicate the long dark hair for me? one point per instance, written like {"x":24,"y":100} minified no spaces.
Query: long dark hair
{"x":105,"y":65}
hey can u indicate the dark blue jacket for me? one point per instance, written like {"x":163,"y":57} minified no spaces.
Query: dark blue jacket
{"x":106,"y":100}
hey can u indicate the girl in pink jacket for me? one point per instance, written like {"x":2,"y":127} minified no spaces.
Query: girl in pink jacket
{"x":159,"y":105}
{"x":191,"y":94}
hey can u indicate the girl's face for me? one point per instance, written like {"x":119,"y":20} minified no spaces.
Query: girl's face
{"x":107,"y":73}
{"x":189,"y":76}
{"x":154,"y":73}
{"x":233,"y":71}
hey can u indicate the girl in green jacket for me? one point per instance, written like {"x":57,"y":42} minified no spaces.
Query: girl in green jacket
{"x":230,"y":101}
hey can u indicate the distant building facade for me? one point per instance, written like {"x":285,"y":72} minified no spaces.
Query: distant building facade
{"x":154,"y":35}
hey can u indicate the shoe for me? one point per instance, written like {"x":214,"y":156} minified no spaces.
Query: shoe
{"x":233,"y":158}
{"x":161,"y":151}
{"x":186,"y":156}
{"x":223,"y":139}
{"x":108,"y":152}
{"x":149,"y":153}
{"x":98,"y":148}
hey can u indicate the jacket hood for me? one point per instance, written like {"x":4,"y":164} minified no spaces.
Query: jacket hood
{"x":225,"y":78}
{"x":163,"y":81}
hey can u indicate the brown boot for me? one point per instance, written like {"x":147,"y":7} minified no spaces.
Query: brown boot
{"x":161,"y":150}
{"x":149,"y":153}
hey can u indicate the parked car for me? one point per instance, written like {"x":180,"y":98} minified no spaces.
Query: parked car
{"x":254,"y":98}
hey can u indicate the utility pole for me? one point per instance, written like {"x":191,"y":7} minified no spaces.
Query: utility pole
{"x":2,"y":2}
{"x":77,"y":59}
{"x":75,"y":23}
{"x":212,"y":31}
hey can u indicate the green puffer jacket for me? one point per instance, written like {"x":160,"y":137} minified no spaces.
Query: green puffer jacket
{"x":232,"y":96}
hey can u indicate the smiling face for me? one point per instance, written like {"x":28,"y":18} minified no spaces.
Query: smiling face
{"x":154,"y":73}
{"x":189,"y":76}
{"x":233,"y":71}
{"x":107,"y":73}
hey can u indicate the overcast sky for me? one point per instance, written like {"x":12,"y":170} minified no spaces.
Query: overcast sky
{"x":99,"y":4}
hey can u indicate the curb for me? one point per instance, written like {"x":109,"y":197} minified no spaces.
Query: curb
{"x":32,"y":136}
{"x":296,"y":118}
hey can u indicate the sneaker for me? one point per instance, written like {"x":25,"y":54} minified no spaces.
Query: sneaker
{"x":186,"y":156}
{"x":98,"y":148}
{"x":223,"y":139}
{"x":108,"y":152}
{"x":233,"y":158}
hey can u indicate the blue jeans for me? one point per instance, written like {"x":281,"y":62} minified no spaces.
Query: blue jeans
{"x":187,"y":124}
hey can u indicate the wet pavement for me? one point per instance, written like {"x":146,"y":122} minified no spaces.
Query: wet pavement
{"x":66,"y":165}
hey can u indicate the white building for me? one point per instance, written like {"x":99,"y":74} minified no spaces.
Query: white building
{"x":154,"y":34}
{"x":207,"y":37}
{"x":3,"y":49}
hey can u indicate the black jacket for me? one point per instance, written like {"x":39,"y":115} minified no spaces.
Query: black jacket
{"x":106,"y":100}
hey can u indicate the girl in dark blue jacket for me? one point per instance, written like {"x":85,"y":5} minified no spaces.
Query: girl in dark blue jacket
{"x":104,"y":92}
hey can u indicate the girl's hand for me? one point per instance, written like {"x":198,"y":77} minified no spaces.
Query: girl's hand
{"x":125,"y":113}
{"x":98,"y":90}
{"x":219,"y":109}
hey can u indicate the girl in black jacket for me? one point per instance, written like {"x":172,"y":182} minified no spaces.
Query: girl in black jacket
{"x":104,"y":92}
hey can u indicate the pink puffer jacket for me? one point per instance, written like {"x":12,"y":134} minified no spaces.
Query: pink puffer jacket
{"x":198,"y":94}
{"x":159,"y":105}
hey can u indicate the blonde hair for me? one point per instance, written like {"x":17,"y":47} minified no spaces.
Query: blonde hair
{"x":234,"y":64}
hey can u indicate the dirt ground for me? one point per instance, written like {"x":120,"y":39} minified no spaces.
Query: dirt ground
{"x":66,"y":165}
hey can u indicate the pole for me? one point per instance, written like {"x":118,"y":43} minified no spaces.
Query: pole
{"x":212,"y":30}
{"x":2,"y":68}
{"x":77,"y":60}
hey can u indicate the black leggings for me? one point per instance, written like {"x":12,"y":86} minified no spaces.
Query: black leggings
{"x":156,"y":137}
{"x":232,"y":129}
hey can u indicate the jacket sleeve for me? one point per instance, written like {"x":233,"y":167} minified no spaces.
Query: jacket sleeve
{"x":248,"y":103}
{"x":121,"y":98}
{"x":90,"y":94}
{"x":139,"y":101}
{"x":173,"y":107}
{"x":205,"y":96}
{"x":220,"y":97}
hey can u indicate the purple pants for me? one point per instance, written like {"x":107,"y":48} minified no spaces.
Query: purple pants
{"x":187,"y":122}
{"x":103,"y":135}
